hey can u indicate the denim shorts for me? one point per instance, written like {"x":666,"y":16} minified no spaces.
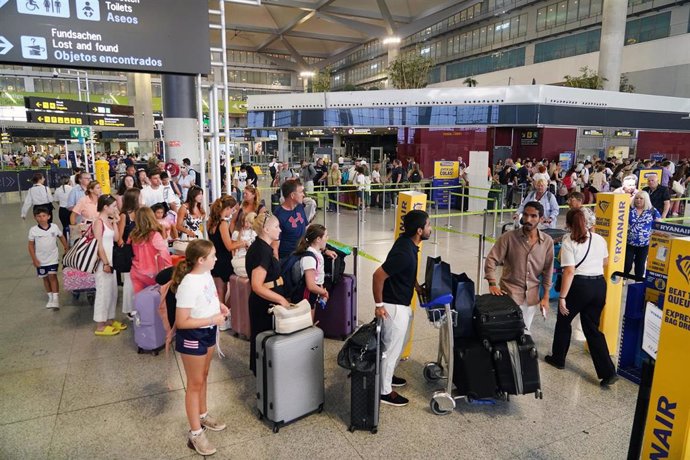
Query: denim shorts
{"x":195,"y":341}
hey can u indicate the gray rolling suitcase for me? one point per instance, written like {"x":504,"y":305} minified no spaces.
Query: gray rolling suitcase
{"x":289,"y":375}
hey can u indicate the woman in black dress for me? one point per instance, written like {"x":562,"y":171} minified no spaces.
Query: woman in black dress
{"x":263,"y":270}
{"x":219,"y":234}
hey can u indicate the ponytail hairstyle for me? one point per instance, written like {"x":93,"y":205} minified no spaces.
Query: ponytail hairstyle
{"x":145,"y":223}
{"x":259,"y":223}
{"x":103,"y":201}
{"x":314,"y":232}
{"x":217,"y":208}
{"x":195,"y":250}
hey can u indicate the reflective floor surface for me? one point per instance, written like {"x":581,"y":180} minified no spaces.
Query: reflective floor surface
{"x":66,"y":393}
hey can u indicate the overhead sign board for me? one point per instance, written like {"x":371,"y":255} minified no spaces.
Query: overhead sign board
{"x":157,"y":36}
{"x":113,"y":122}
{"x":593,"y":132}
{"x":110,"y":109}
{"x":55,"y":105}
{"x":77,"y":132}
{"x":623,"y":133}
{"x":529,"y":137}
{"x":56,"y":118}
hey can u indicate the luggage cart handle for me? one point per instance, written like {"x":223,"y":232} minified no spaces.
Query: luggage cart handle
{"x":445,"y":299}
{"x":627,"y":276}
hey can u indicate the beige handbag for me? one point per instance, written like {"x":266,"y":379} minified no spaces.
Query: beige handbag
{"x":293,"y":318}
{"x":179,"y":247}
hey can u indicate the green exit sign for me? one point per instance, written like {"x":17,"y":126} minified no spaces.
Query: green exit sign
{"x":80,"y":132}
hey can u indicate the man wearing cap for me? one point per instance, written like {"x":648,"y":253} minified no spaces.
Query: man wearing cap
{"x":394,"y":284}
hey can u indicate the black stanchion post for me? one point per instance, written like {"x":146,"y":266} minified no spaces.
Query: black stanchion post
{"x":643,"y":395}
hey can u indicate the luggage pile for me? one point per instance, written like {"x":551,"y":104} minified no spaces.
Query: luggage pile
{"x":501,"y":359}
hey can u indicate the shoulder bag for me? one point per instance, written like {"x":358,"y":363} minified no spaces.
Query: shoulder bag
{"x":122,"y":257}
{"x":83,"y":256}
{"x":293,"y":318}
{"x":559,"y":278}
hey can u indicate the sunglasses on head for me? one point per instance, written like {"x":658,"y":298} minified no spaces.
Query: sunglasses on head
{"x":268,"y":215}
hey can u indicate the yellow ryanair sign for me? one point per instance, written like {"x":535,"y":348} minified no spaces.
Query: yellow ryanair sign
{"x":644,"y":177}
{"x":666,"y":430}
{"x":446,"y":170}
{"x":408,"y":201}
{"x":103,"y":175}
{"x":611,"y":212}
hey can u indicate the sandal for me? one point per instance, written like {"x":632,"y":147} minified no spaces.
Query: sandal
{"x":107,"y":331}
{"x":119,"y":326}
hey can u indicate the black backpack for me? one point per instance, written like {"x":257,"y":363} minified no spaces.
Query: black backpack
{"x":294,"y":284}
{"x":197,"y":177}
{"x":333,"y":268}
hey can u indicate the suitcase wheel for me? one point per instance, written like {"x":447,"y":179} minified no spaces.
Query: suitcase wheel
{"x":486,"y":344}
{"x":351,"y":429}
{"x":139,"y":350}
{"x":533,"y":353}
{"x":538,"y":394}
{"x":523,"y":339}
{"x":260,"y":415}
{"x":497,"y":355}
{"x":374,"y":430}
{"x":433,"y":372}
{"x":276,"y":428}
{"x":320,"y":409}
{"x":155,"y":352}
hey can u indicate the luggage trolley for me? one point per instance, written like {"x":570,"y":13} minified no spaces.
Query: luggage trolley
{"x":443,"y":318}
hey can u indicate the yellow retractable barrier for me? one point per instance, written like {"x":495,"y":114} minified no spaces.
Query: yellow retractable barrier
{"x":407,"y":201}
{"x":667,"y":428}
{"x":611,"y":212}
{"x":103,"y":175}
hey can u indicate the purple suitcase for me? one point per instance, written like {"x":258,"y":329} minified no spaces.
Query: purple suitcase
{"x":237,"y":300}
{"x":339,"y":318}
{"x":149,"y":332}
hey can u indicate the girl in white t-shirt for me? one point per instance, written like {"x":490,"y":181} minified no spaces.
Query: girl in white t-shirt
{"x":197,"y":317}
{"x":314,"y":241}
{"x":248,"y":235}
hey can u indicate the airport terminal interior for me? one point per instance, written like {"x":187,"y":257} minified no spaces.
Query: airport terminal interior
{"x":453,"y":86}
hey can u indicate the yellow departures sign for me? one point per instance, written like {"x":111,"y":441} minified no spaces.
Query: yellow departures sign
{"x":407,"y":201}
{"x":666,"y":430}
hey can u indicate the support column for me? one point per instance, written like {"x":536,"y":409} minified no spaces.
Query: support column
{"x":393,"y":52}
{"x":283,"y":145}
{"x":140,"y":90}
{"x":180,"y":118}
{"x":611,"y":45}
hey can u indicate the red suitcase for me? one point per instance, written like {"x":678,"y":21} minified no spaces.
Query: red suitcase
{"x":339,"y":318}
{"x":237,"y":300}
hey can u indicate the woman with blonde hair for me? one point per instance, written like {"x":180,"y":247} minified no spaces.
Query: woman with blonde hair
{"x":150,"y":250}
{"x":198,"y":314}
{"x":263,"y":270}
{"x":640,"y":219}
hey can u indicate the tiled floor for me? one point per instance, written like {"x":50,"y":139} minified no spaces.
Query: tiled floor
{"x":68,"y":394}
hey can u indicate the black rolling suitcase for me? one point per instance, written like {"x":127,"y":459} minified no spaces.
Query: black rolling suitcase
{"x":473,"y":370}
{"x":497,"y":318}
{"x":365,"y":393}
{"x":517,"y":367}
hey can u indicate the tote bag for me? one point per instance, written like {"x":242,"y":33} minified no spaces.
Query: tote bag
{"x":438,"y":279}
{"x":83,"y":256}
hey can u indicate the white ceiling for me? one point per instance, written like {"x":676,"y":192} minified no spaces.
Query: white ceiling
{"x":328,"y":29}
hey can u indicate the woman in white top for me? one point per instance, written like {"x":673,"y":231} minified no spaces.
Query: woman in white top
{"x":199,"y":313}
{"x":38,"y":195}
{"x":62,"y":196}
{"x":583,"y":290}
{"x":314,"y":241}
{"x":104,"y":230}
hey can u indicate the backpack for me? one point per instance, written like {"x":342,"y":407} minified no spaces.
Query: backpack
{"x":415,"y":176}
{"x":334,"y":268}
{"x":568,"y":181}
{"x":345,"y":176}
{"x":294,"y":285}
{"x":197,"y":177}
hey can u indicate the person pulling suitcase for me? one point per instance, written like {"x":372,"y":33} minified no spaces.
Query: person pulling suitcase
{"x":394,"y":284}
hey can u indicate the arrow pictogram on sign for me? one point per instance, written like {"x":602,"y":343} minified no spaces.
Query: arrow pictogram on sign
{"x":5,"y":45}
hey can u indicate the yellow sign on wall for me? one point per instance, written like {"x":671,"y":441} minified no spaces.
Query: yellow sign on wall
{"x":408,"y":201}
{"x":446,"y":170}
{"x":666,"y":430}
{"x":103,"y":175}
{"x":612,"y":223}
{"x":644,"y":173}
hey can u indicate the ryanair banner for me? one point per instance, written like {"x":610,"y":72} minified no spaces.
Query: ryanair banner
{"x":446,"y":170}
{"x":103,"y":175}
{"x":612,"y":223}
{"x":666,"y":430}
{"x":407,"y":201}
{"x":658,"y":259}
